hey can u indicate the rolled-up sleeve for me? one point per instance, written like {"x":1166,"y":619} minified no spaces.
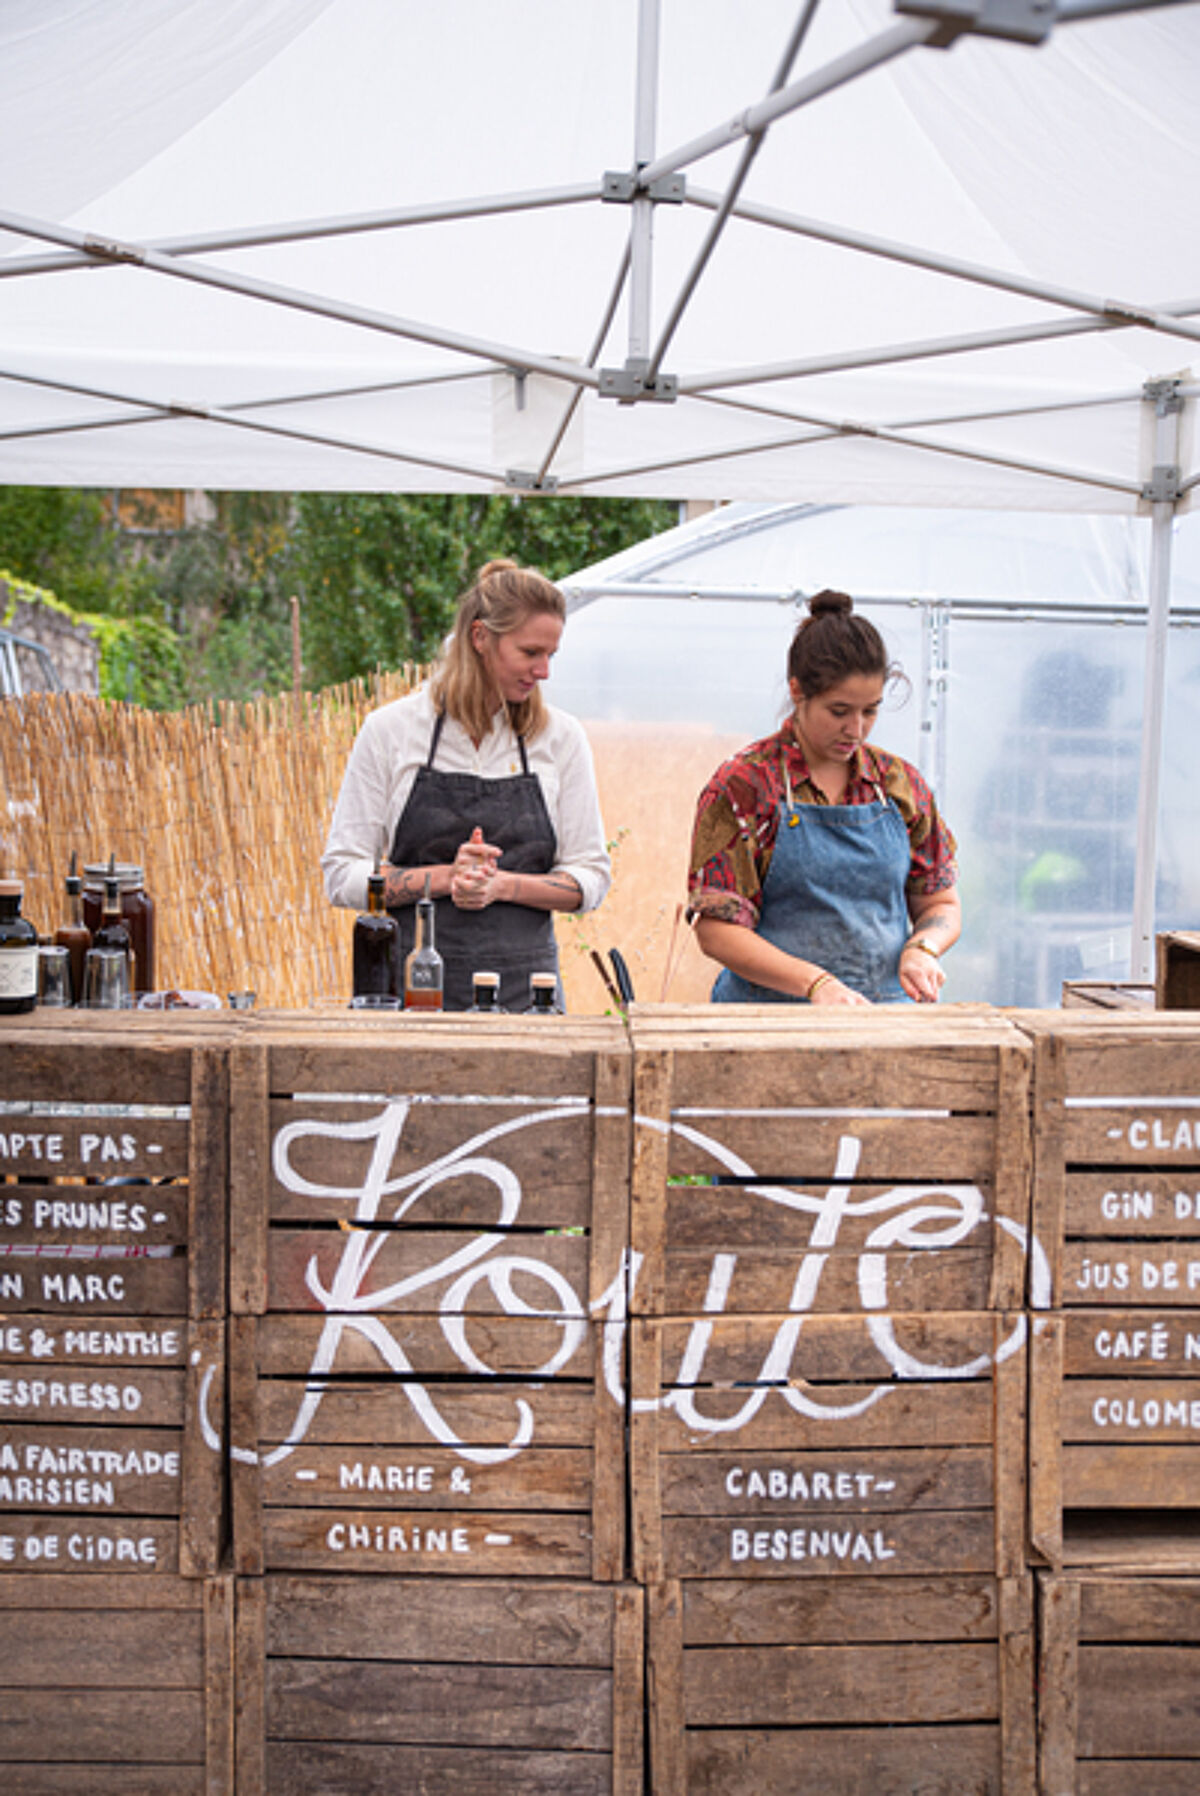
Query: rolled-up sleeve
{"x":724,"y":879}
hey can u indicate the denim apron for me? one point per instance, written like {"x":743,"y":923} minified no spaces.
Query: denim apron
{"x":835,"y":895}
{"x":510,"y":939}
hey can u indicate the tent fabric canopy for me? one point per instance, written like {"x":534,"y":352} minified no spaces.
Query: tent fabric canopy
{"x":373,"y":244}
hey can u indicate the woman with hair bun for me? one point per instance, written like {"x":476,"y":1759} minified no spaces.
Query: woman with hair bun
{"x":821,"y":871}
{"x":476,"y":784}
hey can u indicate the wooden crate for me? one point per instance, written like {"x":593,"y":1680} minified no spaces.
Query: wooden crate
{"x":1119,"y":1673}
{"x":1115,"y":1357}
{"x":371,"y":1686}
{"x":1177,"y":970}
{"x":113,"y":1152}
{"x":428,"y":1265}
{"x":1106,"y":994}
{"x":879,"y":1162}
{"x":828,"y":1446}
{"x":112,"y":1686}
{"x":853,"y":1687}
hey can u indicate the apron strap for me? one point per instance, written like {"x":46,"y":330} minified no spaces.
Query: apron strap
{"x":435,"y":738}
{"x":524,"y":756}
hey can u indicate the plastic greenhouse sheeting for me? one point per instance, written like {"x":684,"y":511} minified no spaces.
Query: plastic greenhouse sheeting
{"x":1022,"y":640}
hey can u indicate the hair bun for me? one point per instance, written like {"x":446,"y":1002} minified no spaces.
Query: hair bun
{"x":827,"y":603}
{"x":504,"y":565}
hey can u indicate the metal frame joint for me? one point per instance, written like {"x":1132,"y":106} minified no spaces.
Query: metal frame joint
{"x":1020,"y":21}
{"x":1163,"y":486}
{"x":621,"y":187}
{"x":526,"y":480}
{"x":627,"y":385}
{"x":1166,"y":396}
{"x":107,"y":249}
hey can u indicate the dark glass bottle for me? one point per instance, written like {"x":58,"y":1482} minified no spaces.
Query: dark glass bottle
{"x":74,"y":935}
{"x":424,"y":973}
{"x":18,"y":952}
{"x":485,"y":994}
{"x":375,"y":935}
{"x":114,"y":930}
{"x":137,"y":908}
{"x":543,"y":995}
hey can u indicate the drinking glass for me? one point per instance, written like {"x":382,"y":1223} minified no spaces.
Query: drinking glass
{"x":54,"y":977}
{"x":106,"y":979}
{"x":375,"y":1001}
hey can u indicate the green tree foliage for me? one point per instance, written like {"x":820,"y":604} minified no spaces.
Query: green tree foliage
{"x":378,"y":574}
{"x":208,"y":607}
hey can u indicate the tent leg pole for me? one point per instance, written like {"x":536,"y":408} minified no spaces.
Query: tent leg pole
{"x":1168,"y":404}
{"x":641,"y":226}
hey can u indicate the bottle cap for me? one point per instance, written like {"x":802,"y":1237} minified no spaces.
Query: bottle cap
{"x":11,"y":888}
{"x":543,"y":982}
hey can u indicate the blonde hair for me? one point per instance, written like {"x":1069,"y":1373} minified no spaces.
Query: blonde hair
{"x":501,"y":597}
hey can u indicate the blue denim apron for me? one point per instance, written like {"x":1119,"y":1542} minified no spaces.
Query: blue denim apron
{"x":835,"y":895}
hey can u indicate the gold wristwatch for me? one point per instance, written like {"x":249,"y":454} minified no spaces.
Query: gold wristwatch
{"x":925,"y":947}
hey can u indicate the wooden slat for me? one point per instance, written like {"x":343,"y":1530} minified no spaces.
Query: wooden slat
{"x":1009,"y":1383}
{"x":1142,"y":1609}
{"x":1017,"y":1730}
{"x":109,"y":1728}
{"x":85,"y":1544}
{"x":789,"y":1686}
{"x":208,"y":1180}
{"x":450,"y":1060}
{"x":840,"y":1610}
{"x":815,"y":1349}
{"x":960,"y":1760}
{"x":905,"y":1415}
{"x":1153,"y":1272}
{"x":202,"y":1518}
{"x":553,"y":1478}
{"x":111,"y":1471}
{"x":129,"y":1396}
{"x":815,"y":1484}
{"x":219,"y":1686}
{"x":244,"y":1427}
{"x":307,"y":1769}
{"x":1108,"y":1410}
{"x":1151,"y":1343}
{"x":249,"y":1172}
{"x":645,"y":1351}
{"x":506,"y":1544}
{"x":628,"y":1691}
{"x":1158,"y":1715}
{"x":1013,"y":1178}
{"x":50,"y":1341}
{"x":607,"y":1274}
{"x":1049,"y":1163}
{"x":85,"y":1061}
{"x":122,"y":1649}
{"x":145,"y":1593}
{"x":250,"y":1668}
{"x":411,"y":1269}
{"x":1143,"y":1135}
{"x":527,"y":1622}
{"x":873,"y":1071}
{"x":87,"y":1289}
{"x":479,"y":1414}
{"x":55,"y":1146}
{"x":48,"y":1216}
{"x":512,"y":1346}
{"x":1045,"y":1437}
{"x":1058,"y":1684}
{"x":664,"y":1688}
{"x":1131,"y":1477}
{"x":958,"y":1278}
{"x":802,"y":1145}
{"x":652,"y":1075}
{"x":846,"y":1543}
{"x":1121,"y":1204}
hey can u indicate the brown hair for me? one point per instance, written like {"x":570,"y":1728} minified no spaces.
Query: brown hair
{"x":832,"y":645}
{"x":500,"y":598}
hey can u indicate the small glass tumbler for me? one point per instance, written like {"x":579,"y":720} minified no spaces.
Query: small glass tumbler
{"x":375,"y":1001}
{"x":106,"y":979}
{"x":54,"y":977}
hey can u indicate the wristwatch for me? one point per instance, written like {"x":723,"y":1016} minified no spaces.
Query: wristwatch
{"x":925,"y":947}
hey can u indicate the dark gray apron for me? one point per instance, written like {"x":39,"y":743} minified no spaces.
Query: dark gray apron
{"x":510,"y":939}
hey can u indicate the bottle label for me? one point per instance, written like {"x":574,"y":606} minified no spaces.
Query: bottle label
{"x":425,"y":978}
{"x":19,"y":972}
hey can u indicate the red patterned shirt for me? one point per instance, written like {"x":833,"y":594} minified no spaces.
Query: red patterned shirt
{"x":737,"y":819}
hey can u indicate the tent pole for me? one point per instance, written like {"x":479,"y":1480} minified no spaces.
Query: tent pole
{"x":1163,"y":492}
{"x":641,"y":225}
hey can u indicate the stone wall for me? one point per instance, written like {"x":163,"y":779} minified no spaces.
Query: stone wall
{"x":70,"y":645}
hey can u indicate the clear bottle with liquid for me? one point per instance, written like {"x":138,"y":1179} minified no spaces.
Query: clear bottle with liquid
{"x":485,"y":994}
{"x":375,"y":934}
{"x":424,"y":972}
{"x":114,"y":930}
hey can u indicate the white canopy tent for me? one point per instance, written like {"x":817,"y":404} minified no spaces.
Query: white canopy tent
{"x":938,"y":256}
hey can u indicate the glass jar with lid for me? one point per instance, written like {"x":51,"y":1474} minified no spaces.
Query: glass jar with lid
{"x":137,"y":910}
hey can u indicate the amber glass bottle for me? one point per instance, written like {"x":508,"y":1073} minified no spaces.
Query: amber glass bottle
{"x":375,"y":935}
{"x":18,"y":952}
{"x":74,"y":935}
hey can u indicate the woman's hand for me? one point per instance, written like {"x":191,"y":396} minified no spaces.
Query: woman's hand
{"x":829,"y":990}
{"x":474,"y":874}
{"x":921,"y":974}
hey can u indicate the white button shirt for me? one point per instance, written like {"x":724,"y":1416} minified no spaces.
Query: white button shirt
{"x":394,"y":742}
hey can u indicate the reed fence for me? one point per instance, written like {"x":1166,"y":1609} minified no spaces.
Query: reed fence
{"x":226,"y":806}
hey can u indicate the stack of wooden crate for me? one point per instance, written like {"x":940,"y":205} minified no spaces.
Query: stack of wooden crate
{"x":828,"y":1417}
{"x":1115,"y":1414}
{"x":116,"y":1627}
{"x":427,"y":1409}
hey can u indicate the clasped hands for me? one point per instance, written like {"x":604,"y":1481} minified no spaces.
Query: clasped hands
{"x":475,"y":877}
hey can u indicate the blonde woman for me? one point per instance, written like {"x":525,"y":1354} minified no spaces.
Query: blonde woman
{"x":475,"y":783}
